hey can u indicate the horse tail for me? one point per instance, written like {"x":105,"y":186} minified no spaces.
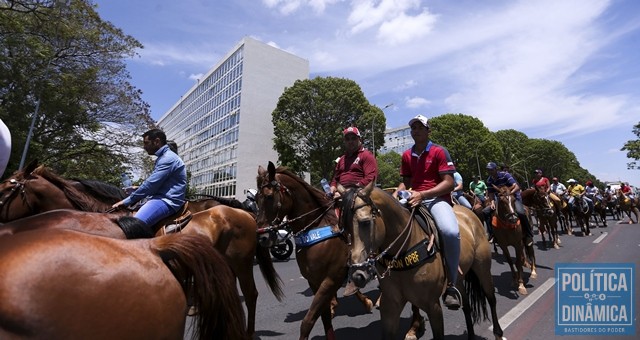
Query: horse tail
{"x":269,"y":272}
{"x":192,"y":260}
{"x":477,"y":297}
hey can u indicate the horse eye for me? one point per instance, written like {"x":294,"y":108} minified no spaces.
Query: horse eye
{"x":365,"y":224}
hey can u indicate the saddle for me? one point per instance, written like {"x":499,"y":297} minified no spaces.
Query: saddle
{"x":176,"y":222}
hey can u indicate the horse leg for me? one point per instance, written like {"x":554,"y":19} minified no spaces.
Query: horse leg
{"x":507,"y":255}
{"x":531,"y":256}
{"x":519,"y":276}
{"x":417,"y":324}
{"x":244,"y":273}
{"x":320,"y":307}
{"x":466,"y":309}
{"x":368,"y":304}
{"x":390,"y":311}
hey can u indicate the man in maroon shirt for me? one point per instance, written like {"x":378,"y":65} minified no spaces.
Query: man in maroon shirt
{"x":357,"y":167}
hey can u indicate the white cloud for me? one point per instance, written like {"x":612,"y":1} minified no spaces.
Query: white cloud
{"x":196,"y":77}
{"x":287,"y":7}
{"x":416,"y":102}
{"x":407,"y":85}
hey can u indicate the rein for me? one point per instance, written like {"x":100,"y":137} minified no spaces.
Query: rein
{"x":18,"y":187}
{"x":404,"y":243}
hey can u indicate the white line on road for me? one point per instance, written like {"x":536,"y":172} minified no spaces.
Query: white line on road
{"x":601,"y":237}
{"x":521,"y":307}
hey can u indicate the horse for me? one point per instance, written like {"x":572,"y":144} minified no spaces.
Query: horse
{"x":385,"y":237}
{"x":321,"y":248}
{"x":63,"y":284}
{"x":507,"y":232}
{"x":611,"y":204}
{"x":627,"y":206}
{"x":547,"y":214}
{"x":599,"y":211}
{"x":582,"y":212}
{"x":232,"y":231}
{"x":565,"y":216}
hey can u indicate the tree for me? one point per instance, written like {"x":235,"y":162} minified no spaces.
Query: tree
{"x":309,"y":119}
{"x":389,"y":169}
{"x":633,"y":149}
{"x":61,"y":61}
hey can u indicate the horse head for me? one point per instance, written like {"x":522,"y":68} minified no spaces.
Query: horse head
{"x":506,"y":205}
{"x":359,"y":218}
{"x":543,"y":203}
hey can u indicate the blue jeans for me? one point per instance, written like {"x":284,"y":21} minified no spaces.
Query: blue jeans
{"x":459,"y":195}
{"x":153,"y":211}
{"x":447,"y":222}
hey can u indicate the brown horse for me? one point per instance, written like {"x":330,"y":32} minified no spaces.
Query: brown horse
{"x":547,"y":214}
{"x":507,"y":232}
{"x":628,"y":206}
{"x":321,"y":248}
{"x":379,"y":227}
{"x":62,"y":284}
{"x":231,"y":231}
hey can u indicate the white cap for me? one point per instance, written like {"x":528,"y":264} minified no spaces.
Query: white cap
{"x":419,"y":118}
{"x":571,"y":180}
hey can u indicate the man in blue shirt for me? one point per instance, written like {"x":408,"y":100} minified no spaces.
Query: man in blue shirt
{"x":166,"y":186}
{"x":499,"y":179}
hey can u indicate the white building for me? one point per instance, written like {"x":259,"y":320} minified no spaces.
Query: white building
{"x":223,"y":123}
{"x":397,"y":139}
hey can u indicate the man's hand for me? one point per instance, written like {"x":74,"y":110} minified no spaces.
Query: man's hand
{"x":117,"y":205}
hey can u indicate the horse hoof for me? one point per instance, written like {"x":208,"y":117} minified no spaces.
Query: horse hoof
{"x":559,"y":242}
{"x":523,"y":291}
{"x":192,"y":311}
{"x":369,"y":305}
{"x":533,"y":275}
{"x":556,"y":246}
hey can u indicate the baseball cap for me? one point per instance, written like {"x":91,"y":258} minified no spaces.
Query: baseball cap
{"x":351,"y":129}
{"x":491,"y":166}
{"x":571,"y":180}
{"x":538,"y":171}
{"x":419,"y":118}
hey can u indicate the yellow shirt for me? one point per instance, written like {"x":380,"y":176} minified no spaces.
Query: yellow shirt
{"x":575,"y":189}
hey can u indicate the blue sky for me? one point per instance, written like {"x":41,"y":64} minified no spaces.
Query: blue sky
{"x":561,"y":70}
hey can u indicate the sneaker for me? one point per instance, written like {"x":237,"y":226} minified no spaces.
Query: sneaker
{"x":451,"y":298}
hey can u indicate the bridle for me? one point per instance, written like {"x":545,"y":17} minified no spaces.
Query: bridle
{"x":18,"y":188}
{"x":369,"y":265}
{"x":281,"y":190}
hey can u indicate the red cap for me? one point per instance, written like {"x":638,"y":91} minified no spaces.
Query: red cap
{"x":351,"y":129}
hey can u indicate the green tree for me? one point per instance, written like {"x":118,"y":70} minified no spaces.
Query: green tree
{"x":61,"y":60}
{"x":389,"y":169}
{"x":633,"y":149}
{"x":470,"y":144}
{"x":309,"y":119}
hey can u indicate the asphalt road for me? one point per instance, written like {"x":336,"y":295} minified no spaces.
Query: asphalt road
{"x":521,"y":316}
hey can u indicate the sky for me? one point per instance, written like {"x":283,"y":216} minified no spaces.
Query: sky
{"x":559,"y":70}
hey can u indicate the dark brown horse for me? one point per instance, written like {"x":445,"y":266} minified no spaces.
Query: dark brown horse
{"x":507,"y":232}
{"x":379,"y":227}
{"x":231,"y":231}
{"x":582,"y":212}
{"x":321,"y":248}
{"x":63,"y":284}
{"x":611,"y":204}
{"x":547,"y":214}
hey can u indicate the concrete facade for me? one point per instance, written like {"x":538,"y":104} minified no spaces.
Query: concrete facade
{"x":223,"y":123}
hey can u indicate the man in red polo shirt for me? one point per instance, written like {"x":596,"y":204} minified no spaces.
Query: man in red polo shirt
{"x":357,"y":167}
{"x":427,"y":172}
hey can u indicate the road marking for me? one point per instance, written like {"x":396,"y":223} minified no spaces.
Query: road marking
{"x":601,"y":237}
{"x":521,"y":307}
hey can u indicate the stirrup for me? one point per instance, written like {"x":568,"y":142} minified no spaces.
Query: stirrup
{"x":452,"y":298}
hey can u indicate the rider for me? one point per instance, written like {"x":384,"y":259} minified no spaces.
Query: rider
{"x":575,"y":189}
{"x":427,"y":172}
{"x":458,"y":191}
{"x":543,"y":183}
{"x":357,"y":167}
{"x":167,"y":184}
{"x":5,"y":147}
{"x":499,"y":179}
{"x":478,"y":187}
{"x":592,"y":192}
{"x":558,"y":188}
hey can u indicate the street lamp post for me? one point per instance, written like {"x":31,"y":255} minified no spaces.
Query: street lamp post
{"x":477,"y":160}
{"x":553,"y":166}
{"x":373,"y":134}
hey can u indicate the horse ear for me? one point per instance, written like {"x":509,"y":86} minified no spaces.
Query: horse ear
{"x":261,"y":171}
{"x":272,"y":171}
{"x":30,"y":167}
{"x":367,"y":189}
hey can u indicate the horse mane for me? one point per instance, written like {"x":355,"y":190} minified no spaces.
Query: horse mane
{"x":231,"y":202}
{"x":102,"y":191}
{"x":318,"y":195}
{"x":80,"y":200}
